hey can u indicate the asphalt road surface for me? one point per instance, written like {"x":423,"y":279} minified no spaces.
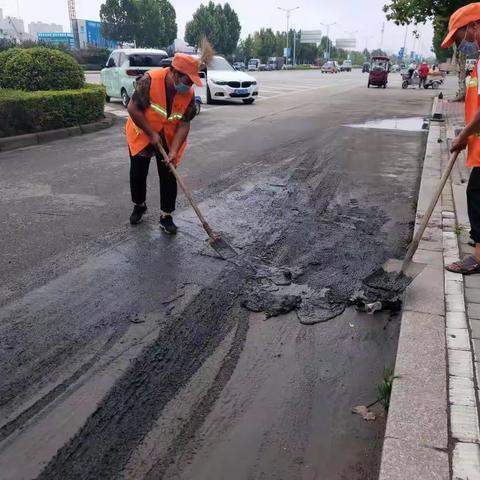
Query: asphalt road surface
{"x":129,"y":354}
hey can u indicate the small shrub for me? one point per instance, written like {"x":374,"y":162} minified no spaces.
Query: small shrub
{"x":39,"y":69}
{"x":29,"y":112}
{"x":5,"y":56}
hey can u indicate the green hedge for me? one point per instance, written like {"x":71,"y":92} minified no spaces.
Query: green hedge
{"x":5,"y":56}
{"x":40,"y":68}
{"x":92,"y":67}
{"x":29,"y":112}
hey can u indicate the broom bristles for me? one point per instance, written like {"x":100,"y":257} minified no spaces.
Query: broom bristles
{"x":207,"y":52}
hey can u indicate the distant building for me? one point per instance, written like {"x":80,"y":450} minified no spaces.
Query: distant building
{"x":57,"y":39}
{"x":89,"y":35}
{"x":34,"y":28}
{"x":11,"y":27}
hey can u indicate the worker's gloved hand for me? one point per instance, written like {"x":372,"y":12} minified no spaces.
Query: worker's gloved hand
{"x":458,"y":144}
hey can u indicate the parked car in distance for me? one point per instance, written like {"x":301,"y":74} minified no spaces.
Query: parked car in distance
{"x":366,"y":67}
{"x":330,"y":67}
{"x":239,"y":66}
{"x":346,"y":66}
{"x":253,"y":65}
{"x":124,"y":67}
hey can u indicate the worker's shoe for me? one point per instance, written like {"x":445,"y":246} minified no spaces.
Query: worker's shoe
{"x":167,"y":225}
{"x":138,"y":213}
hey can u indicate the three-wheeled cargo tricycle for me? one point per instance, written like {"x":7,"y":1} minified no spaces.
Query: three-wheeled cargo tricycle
{"x":379,"y":69}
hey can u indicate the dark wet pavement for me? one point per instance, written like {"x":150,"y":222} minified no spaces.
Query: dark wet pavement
{"x":128,"y":354}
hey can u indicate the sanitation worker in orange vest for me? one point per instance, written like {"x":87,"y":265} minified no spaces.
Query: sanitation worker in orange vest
{"x":160,"y":112}
{"x":464,"y":31}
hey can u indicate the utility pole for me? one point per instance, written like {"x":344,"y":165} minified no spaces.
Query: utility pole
{"x":72,"y":14}
{"x":329,"y":43}
{"x":405,"y":39}
{"x":294,"y":48}
{"x":288,"y":11}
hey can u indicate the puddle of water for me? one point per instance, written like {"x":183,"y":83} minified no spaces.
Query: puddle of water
{"x":413,"y":124}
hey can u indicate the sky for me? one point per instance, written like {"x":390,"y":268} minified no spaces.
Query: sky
{"x":353,"y":18}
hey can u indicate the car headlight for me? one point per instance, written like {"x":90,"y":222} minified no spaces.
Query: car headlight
{"x":254,"y":83}
{"x":218,"y":82}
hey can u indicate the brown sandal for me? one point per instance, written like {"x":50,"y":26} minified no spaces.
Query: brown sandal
{"x":468,"y":266}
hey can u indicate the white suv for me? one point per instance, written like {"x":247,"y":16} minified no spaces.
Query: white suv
{"x":123,"y":69}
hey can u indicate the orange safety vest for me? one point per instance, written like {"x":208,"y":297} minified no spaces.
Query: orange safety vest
{"x":156,"y":115}
{"x":472,"y":104}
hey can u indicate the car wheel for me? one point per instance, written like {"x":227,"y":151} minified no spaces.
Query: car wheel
{"x":107,"y":98}
{"x":210,"y":100}
{"x":125,"y":98}
{"x":248,"y":101}
{"x":198,"y":108}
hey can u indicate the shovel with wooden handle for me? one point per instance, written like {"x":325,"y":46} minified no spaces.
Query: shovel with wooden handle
{"x":407,"y":266}
{"x":214,"y":239}
{"x":396,"y":274}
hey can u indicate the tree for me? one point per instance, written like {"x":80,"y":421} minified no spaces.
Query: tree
{"x":405,"y":12}
{"x":219,"y":24}
{"x":148,"y":23}
{"x":245,"y":49}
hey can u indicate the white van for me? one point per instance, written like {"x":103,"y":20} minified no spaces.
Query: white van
{"x":254,"y":65}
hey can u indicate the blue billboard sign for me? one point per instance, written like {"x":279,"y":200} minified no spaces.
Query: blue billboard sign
{"x":90,"y":35}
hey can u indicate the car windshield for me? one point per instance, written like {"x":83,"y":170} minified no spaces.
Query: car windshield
{"x":219,"y":63}
{"x":329,"y":64}
{"x":146,"y":59}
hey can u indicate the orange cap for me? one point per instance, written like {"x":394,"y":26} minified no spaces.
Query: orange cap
{"x":188,"y":65}
{"x":461,"y":18}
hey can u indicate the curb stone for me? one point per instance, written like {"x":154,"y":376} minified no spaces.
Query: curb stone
{"x":416,"y":445}
{"x":448,"y":353}
{"x":30,"y":139}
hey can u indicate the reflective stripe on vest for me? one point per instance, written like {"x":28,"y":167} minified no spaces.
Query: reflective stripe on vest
{"x":159,"y":109}
{"x":472,"y":105}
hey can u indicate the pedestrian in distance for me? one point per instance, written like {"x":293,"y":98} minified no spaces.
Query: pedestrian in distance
{"x":423,"y":72}
{"x":412,"y":68}
{"x":464,"y":32}
{"x":160,"y":113}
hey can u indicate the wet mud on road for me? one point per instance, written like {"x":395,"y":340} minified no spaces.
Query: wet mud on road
{"x":226,"y":371}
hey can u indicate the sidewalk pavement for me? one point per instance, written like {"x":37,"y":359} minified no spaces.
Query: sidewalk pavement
{"x":433,"y":422}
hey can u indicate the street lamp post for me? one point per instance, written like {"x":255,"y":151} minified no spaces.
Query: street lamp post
{"x":329,"y":43}
{"x":288,"y":11}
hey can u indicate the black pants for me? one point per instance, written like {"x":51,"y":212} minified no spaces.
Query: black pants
{"x":138,"y":182}
{"x":473,"y":201}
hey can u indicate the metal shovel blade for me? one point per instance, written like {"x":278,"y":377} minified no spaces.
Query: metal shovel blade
{"x":223,"y":249}
{"x":411,"y":270}
{"x":394,"y":276}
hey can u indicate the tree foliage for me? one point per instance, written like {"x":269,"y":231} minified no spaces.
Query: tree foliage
{"x":404,"y":12}
{"x":265,"y":43}
{"x":148,"y":23}
{"x":220,"y":24}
